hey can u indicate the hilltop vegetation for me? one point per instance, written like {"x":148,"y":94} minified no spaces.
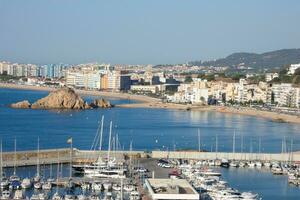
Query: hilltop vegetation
{"x":270,"y":60}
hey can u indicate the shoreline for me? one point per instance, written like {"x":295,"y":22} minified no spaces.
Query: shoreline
{"x":83,"y":92}
{"x":154,"y":103}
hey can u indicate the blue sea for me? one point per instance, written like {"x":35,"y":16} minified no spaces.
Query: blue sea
{"x":151,"y":129}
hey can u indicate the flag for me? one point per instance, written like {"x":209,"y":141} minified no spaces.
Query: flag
{"x":70,"y":140}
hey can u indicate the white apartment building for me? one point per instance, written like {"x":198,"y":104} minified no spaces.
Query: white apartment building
{"x":83,"y":79}
{"x":114,"y":79}
{"x":293,"y":68}
{"x":147,"y":88}
{"x":271,"y":76}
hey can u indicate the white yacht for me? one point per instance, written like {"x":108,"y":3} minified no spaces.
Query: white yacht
{"x":43,"y":196}
{"x":56,"y":196}
{"x":37,"y":185}
{"x":35,"y":197}
{"x":107,"y":185}
{"x":258,"y":164}
{"x":82,"y":197}
{"x":47,"y":185}
{"x":69,"y":197}
{"x":94,"y":196}
{"x":19,"y":194}
{"x":26,"y":183}
{"x":128,"y":188}
{"x":116,"y":187}
{"x":4,"y":183}
{"x":97,"y":186}
{"x":5,"y":194}
{"x":134,"y":195}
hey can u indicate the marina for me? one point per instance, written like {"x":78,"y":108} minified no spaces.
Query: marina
{"x":21,"y":157}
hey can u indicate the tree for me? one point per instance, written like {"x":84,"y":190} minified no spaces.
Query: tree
{"x":296,"y":79}
{"x":297,"y":71}
{"x":188,"y":79}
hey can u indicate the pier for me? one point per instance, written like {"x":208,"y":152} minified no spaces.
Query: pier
{"x":64,"y":156}
{"x":280,"y":157}
{"x":54,"y":156}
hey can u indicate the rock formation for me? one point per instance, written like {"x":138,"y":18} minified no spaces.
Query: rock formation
{"x":21,"y":104}
{"x":100,"y":103}
{"x":64,"y":98}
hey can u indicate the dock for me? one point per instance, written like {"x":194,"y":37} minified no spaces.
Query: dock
{"x":65,"y":155}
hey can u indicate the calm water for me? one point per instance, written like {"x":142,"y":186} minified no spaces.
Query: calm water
{"x":148,"y":128}
{"x":152,"y":129}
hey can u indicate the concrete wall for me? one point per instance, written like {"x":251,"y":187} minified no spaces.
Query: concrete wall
{"x":230,"y":156}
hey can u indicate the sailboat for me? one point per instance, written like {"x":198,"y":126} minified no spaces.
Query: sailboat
{"x":5,"y":194}
{"x":3,"y":181}
{"x":79,"y":168}
{"x":14,"y":179}
{"x":108,"y":169}
{"x":37,"y":178}
{"x":56,"y":195}
{"x":102,"y":169}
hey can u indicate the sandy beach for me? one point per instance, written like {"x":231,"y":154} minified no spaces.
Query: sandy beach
{"x":139,"y":98}
{"x":149,"y":102}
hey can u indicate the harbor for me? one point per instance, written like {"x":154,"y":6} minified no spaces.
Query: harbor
{"x":79,"y":174}
{"x":126,"y":161}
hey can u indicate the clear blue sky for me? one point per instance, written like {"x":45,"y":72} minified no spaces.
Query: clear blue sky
{"x":140,"y":31}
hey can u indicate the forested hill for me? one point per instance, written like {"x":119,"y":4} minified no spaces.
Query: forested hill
{"x":270,"y":60}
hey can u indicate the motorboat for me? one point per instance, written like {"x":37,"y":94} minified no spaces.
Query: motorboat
{"x":248,"y":195}
{"x":56,"y":196}
{"x":258,"y":164}
{"x":82,"y":197}
{"x":97,"y":186}
{"x":224,"y":163}
{"x":15,"y":185}
{"x":4,"y":183}
{"x":35,"y":197}
{"x":19,"y":194}
{"x":107,"y":185}
{"x":5,"y":194}
{"x":134,"y":195}
{"x":116,"y":187}
{"x":37,"y":185}
{"x":210,"y":172}
{"x":94,"y":196}
{"x":47,"y":185}
{"x":69,"y":197}
{"x":26,"y":183}
{"x":251,"y":164}
{"x":128,"y":188}
{"x":43,"y":196}
{"x":234,"y":164}
{"x":85,"y":186}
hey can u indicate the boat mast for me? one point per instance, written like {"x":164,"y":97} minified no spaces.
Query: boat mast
{"x":292,"y":143}
{"x":1,"y":160}
{"x":109,"y":141}
{"x":101,"y":133}
{"x":233,"y":142}
{"x":15,"y":157}
{"x":216,"y":146}
{"x":38,"y":158}
{"x":216,"y":143}
{"x":57,"y":173}
{"x":199,"y":140}
{"x":242,"y":143}
{"x":259,"y":145}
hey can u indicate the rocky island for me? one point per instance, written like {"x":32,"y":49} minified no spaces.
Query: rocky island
{"x":65,"y":98}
